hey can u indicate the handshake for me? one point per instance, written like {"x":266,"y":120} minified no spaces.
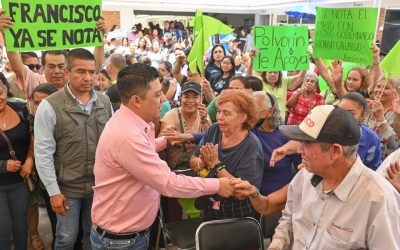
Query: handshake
{"x":236,"y":187}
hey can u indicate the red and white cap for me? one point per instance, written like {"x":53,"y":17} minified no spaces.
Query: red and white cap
{"x":325,"y":123}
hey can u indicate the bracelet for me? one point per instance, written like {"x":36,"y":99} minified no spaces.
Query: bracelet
{"x":255,"y":195}
{"x":378,"y":124}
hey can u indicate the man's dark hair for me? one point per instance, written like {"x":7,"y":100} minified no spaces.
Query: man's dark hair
{"x":46,"y":88}
{"x":3,"y":80}
{"x":255,"y":83}
{"x":168,"y":66}
{"x":357,"y":98}
{"x":82,"y":54}
{"x":26,"y":55}
{"x":243,"y":80}
{"x":52,"y":52}
{"x":135,"y":80}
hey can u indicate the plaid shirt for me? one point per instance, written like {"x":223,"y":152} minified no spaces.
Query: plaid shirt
{"x":299,"y":111}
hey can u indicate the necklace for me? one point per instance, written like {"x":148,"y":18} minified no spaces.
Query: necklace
{"x":4,"y":126}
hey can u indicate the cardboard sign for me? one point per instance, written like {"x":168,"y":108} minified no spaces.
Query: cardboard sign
{"x":345,"y":34}
{"x":281,"y":48}
{"x":47,"y":25}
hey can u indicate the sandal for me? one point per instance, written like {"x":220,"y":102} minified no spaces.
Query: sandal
{"x":36,"y":242}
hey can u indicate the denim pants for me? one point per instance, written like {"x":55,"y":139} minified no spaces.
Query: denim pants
{"x":13,"y":205}
{"x":138,"y":242}
{"x":67,"y":228}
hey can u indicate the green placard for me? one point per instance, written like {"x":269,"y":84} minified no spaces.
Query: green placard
{"x":281,"y":48}
{"x":345,"y":34}
{"x":49,"y":24}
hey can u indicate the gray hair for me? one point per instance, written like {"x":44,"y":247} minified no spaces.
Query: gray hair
{"x":117,"y":60}
{"x":276,"y":119}
{"x":311,"y":74}
{"x":348,"y":151}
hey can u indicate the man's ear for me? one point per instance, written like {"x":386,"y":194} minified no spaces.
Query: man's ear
{"x":271,"y":112}
{"x":337,"y":151}
{"x":135,"y":101}
{"x":363,"y":115}
{"x":67,"y":73}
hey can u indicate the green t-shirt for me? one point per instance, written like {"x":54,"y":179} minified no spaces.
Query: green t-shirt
{"x":212,"y":110}
{"x":165,"y":108}
{"x":280,"y":94}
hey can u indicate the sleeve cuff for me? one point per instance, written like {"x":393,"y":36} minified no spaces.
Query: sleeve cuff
{"x":212,"y":185}
{"x":53,"y":189}
{"x":277,"y":243}
{"x":161,"y":143}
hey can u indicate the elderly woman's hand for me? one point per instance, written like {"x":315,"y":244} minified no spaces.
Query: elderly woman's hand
{"x":394,"y":174}
{"x":396,"y":106}
{"x":203,"y":113}
{"x":209,"y":154}
{"x":377,"y":109}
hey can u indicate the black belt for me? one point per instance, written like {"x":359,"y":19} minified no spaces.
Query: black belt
{"x":115,"y":236}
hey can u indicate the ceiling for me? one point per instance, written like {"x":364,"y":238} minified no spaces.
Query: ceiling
{"x":233,"y":6}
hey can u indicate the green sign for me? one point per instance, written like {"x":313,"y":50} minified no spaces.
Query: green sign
{"x":49,"y":24}
{"x":345,"y":34}
{"x":281,"y":48}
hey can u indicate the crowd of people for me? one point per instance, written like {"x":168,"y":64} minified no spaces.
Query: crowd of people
{"x":102,"y":134}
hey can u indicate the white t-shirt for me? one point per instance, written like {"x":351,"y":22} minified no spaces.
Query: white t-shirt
{"x":382,"y":169}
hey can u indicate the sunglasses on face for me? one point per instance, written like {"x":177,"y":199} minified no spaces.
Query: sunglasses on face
{"x":33,"y":66}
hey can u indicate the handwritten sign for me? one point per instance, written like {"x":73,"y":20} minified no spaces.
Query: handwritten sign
{"x":345,"y":34}
{"x":281,"y":48}
{"x":48,"y":24}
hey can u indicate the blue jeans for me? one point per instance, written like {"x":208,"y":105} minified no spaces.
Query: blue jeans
{"x":68,"y":225}
{"x":138,"y":242}
{"x":13,"y":205}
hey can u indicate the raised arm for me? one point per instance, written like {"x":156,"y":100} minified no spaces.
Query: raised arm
{"x":297,"y":79}
{"x":98,"y":52}
{"x":176,"y":71}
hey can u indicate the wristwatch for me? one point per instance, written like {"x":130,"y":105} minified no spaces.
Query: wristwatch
{"x":218,"y":168}
{"x":378,"y":124}
{"x":255,"y":195}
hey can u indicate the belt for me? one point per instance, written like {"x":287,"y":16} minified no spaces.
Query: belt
{"x":117,"y":236}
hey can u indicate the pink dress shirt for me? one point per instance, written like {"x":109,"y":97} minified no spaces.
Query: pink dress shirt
{"x":129,"y":176}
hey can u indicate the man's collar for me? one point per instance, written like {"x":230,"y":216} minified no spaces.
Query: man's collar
{"x":142,"y":124}
{"x":93,"y":95}
{"x":342,"y":191}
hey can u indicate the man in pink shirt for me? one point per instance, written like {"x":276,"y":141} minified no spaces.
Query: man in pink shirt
{"x":129,"y":175}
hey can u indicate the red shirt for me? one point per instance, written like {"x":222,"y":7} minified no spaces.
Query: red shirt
{"x":299,"y":111}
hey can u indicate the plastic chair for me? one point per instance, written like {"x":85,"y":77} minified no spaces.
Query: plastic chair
{"x":230,"y":234}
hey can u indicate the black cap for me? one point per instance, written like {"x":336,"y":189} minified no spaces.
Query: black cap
{"x":325,"y":123}
{"x":191,"y":86}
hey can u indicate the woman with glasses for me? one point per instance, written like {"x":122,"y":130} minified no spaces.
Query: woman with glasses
{"x":227,"y":72}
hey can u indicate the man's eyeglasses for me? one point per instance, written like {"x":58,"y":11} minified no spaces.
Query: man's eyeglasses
{"x":33,"y":66}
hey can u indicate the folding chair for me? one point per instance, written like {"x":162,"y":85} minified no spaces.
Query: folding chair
{"x":180,"y":233}
{"x":230,"y":234}
{"x":268,"y":224}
